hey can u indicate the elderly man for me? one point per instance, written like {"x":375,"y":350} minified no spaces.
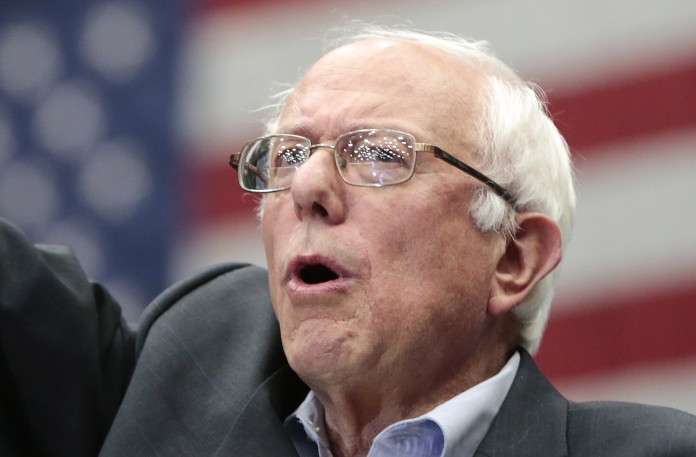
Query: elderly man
{"x":394,"y":269}
{"x":418,"y":198}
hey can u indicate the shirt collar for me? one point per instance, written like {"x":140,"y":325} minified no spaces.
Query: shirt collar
{"x":307,"y":430}
{"x":466,"y":418}
{"x":455,"y":427}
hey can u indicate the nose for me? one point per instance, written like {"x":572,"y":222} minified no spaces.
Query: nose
{"x":317,"y":188}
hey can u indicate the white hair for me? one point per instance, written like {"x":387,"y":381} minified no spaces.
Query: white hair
{"x":519,"y":147}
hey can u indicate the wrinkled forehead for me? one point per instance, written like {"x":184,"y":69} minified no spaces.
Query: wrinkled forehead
{"x":387,"y":78}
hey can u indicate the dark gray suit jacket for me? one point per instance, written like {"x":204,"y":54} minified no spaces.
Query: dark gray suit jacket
{"x":205,"y":375}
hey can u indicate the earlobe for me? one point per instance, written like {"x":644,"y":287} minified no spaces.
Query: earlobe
{"x":534,"y":253}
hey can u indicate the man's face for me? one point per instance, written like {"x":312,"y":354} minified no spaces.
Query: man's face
{"x":375,"y":284}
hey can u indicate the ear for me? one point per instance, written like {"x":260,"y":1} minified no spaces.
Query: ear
{"x":535,"y":251}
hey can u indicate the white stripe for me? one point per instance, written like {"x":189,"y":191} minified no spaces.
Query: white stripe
{"x":219,"y":242}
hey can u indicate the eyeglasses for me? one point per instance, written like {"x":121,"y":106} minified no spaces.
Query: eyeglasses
{"x":368,"y":158}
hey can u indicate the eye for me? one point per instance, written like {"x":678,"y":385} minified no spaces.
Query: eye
{"x":383,"y":154}
{"x":379,"y":153}
{"x":375,"y":157}
{"x":289,"y":154}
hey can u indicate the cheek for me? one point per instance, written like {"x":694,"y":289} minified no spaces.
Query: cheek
{"x":271,"y":211}
{"x":273,"y":242}
{"x":428,"y":250}
{"x":276,"y":216}
{"x":415,"y":235}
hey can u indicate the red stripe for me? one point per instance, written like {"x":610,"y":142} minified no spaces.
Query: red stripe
{"x":214,"y":193}
{"x":612,"y":336}
{"x":643,"y":104}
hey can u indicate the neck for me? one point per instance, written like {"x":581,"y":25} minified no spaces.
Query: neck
{"x":357,"y":411}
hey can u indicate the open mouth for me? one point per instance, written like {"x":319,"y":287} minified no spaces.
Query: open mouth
{"x":317,"y":274}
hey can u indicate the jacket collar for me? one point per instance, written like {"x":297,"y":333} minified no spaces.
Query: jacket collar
{"x":258,"y":433}
{"x":532,"y":420}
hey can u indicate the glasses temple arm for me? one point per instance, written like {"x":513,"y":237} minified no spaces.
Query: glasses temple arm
{"x":234,"y":163}
{"x":497,"y":188}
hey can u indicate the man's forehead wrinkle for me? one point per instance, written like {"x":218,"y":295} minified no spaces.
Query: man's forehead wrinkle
{"x":375,"y":80}
{"x":310,"y":118}
{"x":322,"y":123}
{"x":309,"y":114}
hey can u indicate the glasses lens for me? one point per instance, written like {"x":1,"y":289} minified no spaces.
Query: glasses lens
{"x":269,"y":163}
{"x":375,"y":157}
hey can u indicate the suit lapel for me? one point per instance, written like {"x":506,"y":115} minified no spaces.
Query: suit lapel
{"x":258,"y":431}
{"x":209,"y":371}
{"x":532,"y":420}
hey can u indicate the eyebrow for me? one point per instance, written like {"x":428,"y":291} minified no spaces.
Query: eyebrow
{"x":297,"y":129}
{"x":313,"y":135}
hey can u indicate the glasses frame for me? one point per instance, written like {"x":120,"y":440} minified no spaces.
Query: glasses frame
{"x":441,"y":154}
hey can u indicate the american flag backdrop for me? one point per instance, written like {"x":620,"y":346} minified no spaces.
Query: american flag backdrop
{"x":117,"y":118}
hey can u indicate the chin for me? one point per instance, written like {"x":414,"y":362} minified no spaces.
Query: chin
{"x":319,"y":352}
